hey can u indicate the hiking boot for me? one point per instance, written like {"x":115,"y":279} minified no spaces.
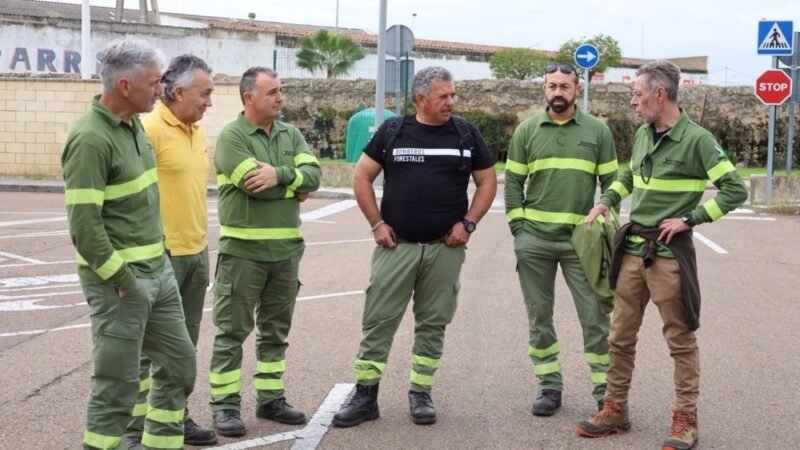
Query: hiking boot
{"x":421,"y":406}
{"x":228,"y":422}
{"x":194,"y":434}
{"x":132,"y":442}
{"x":600,"y":405}
{"x":684,"y":435}
{"x":280,"y":411}
{"x":547,"y":402}
{"x":363,"y":406}
{"x":613,"y":418}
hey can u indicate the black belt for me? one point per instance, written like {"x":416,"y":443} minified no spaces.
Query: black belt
{"x":400,"y":240}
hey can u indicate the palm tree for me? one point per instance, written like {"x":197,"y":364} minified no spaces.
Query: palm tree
{"x":334,"y":53}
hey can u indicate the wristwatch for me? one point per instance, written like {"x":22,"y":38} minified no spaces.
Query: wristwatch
{"x":687,"y":219}
{"x":468,"y":225}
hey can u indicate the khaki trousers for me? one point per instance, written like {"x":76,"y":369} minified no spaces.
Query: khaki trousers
{"x":635,"y":287}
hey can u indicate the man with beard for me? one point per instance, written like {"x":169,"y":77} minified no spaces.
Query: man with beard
{"x":561,"y":153}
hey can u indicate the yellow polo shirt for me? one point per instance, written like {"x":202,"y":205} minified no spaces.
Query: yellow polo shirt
{"x":182,"y":163}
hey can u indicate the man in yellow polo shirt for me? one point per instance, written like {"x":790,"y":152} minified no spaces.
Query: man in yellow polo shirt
{"x":182,"y":164}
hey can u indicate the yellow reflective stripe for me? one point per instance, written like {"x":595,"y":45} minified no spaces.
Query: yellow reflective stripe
{"x":423,"y":361}
{"x":515,"y":213}
{"x":620,"y":189}
{"x":713,"y":210}
{"x":420,"y":379}
{"x":298,"y":180}
{"x":304,"y":158}
{"x":609,"y":167}
{"x":544,"y":369}
{"x":101,"y":441}
{"x":140,"y":410}
{"x":536,"y":215}
{"x":635,"y":238}
{"x":268,"y":385}
{"x":232,"y":388}
{"x":141,"y":253}
{"x":144,"y":385}
{"x":257,"y":234}
{"x":599,"y":377}
{"x":594,"y":358}
{"x":241,"y":170}
{"x":83,"y":197}
{"x":562,"y":163}
{"x":108,"y":269}
{"x":368,"y":370}
{"x":154,"y":441}
{"x":271,"y":367}
{"x":719,"y":170}
{"x":134,"y":186}
{"x":666,"y":185}
{"x":516,"y":168}
{"x":225,"y":377}
{"x":165,"y":415}
{"x":544,"y":352}
{"x":222,"y":180}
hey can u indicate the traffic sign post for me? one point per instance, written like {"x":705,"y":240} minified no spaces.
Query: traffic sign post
{"x":586,"y":57}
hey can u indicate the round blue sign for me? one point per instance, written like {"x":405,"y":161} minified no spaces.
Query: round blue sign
{"x":587,"y":56}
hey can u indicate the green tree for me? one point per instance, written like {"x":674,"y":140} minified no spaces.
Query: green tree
{"x":334,"y":53}
{"x":610,"y":54}
{"x":517,"y":63}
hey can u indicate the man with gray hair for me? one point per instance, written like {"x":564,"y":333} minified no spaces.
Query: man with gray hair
{"x":182,"y":163}
{"x":421,"y":229}
{"x":673,"y":158}
{"x":112,"y":205}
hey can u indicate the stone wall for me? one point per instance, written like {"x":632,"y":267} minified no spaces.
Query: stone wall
{"x":36,"y":114}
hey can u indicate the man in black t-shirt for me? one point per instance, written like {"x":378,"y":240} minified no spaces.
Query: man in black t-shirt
{"x":421,"y":228}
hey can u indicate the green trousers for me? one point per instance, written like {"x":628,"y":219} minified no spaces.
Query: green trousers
{"x":247,"y":294}
{"x":430,"y":273}
{"x":191,"y":273}
{"x":537,"y":262}
{"x":149,"y":321}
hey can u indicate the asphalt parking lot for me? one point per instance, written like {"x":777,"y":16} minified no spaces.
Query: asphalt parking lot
{"x":749,"y":266}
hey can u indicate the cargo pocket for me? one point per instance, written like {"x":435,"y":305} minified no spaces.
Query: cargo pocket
{"x":223,"y":309}
{"x":116,"y":350}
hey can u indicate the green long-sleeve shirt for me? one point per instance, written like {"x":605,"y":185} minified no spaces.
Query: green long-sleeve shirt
{"x":262,"y":226}
{"x":561,"y":164}
{"x":668,"y":179}
{"x":112,"y":199}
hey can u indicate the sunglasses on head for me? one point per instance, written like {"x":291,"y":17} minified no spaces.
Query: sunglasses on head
{"x":563,"y":68}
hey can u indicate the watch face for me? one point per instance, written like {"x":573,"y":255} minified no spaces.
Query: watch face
{"x":469,"y":226}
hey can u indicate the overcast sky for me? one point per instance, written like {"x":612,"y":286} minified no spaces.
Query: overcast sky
{"x":724,"y":30}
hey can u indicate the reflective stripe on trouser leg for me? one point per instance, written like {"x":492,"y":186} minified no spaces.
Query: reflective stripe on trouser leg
{"x":273,"y":321}
{"x":594,"y":324}
{"x":435,"y":303}
{"x":136,"y":424}
{"x":237,"y":290}
{"x":537,"y":261}
{"x":368,"y":372}
{"x":172,"y":353}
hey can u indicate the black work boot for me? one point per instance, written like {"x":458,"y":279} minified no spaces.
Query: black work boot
{"x":132,"y":442}
{"x":194,"y":434}
{"x":363,"y":406}
{"x":228,"y":422}
{"x":280,"y":411}
{"x":547,"y":402}
{"x":421,"y":406}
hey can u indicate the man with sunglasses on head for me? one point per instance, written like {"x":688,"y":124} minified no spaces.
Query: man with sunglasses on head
{"x":673,"y":158}
{"x":560,"y":153}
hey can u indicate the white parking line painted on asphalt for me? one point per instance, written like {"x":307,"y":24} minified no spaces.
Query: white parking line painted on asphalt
{"x":34,"y":213}
{"x":32,"y":221}
{"x":37,"y":288}
{"x":20,"y":257}
{"x":42,"y":234}
{"x":46,"y":263}
{"x":348,"y":241}
{"x":29,"y":332}
{"x":328,"y":210}
{"x":309,"y":437}
{"x":42,"y":280}
{"x":765,"y":219}
{"x":711,"y":244}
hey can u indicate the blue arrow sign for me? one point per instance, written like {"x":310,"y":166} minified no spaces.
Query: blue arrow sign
{"x":587,"y":56}
{"x":775,"y":37}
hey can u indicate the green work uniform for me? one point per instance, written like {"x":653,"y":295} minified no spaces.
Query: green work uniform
{"x":561,"y":164}
{"x":260,"y":249}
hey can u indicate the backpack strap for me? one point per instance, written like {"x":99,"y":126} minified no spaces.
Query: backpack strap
{"x":393,"y":127}
{"x":464,"y":133}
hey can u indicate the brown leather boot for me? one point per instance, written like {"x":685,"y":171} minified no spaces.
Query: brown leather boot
{"x":613,"y":418}
{"x":684,"y":435}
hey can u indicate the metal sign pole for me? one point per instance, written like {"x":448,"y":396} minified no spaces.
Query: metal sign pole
{"x":792,"y":100}
{"x":771,"y":143}
{"x":586,"y":90}
{"x":380,"y":81}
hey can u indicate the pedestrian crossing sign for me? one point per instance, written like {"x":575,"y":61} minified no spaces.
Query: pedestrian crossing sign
{"x":775,"y":37}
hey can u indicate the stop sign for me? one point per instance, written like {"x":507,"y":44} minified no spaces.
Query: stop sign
{"x":773,"y":87}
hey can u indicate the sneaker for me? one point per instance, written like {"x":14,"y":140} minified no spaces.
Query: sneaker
{"x":613,"y":418}
{"x":363,"y":406}
{"x":280,"y":411}
{"x":547,"y":402}
{"x":421,"y":406}
{"x":684,"y":435}
{"x":194,"y":434}
{"x":228,"y":422}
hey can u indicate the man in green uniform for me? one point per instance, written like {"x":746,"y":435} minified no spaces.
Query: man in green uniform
{"x":673,"y":158}
{"x":112,"y":203}
{"x":561,"y":153}
{"x":264,"y":169}
{"x":182,"y":163}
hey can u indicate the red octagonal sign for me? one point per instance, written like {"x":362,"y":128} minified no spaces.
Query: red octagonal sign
{"x":773,"y":87}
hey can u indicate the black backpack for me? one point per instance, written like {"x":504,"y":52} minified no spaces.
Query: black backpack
{"x":394,"y":125}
